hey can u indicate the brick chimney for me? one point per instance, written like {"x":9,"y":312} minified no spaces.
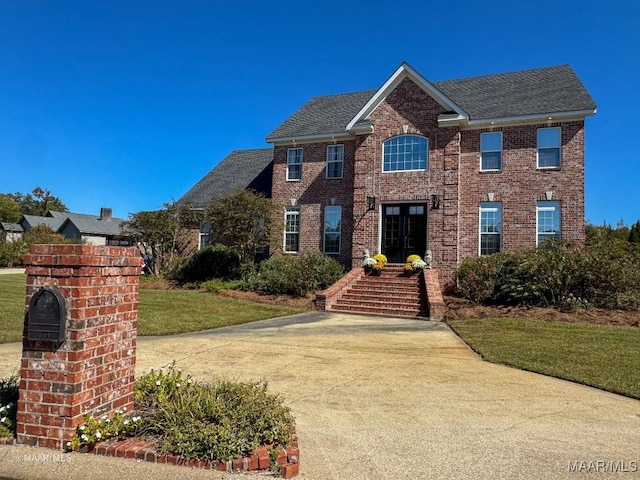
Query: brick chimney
{"x":105,"y":214}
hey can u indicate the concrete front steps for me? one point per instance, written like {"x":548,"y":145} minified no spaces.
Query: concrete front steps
{"x":390,"y":294}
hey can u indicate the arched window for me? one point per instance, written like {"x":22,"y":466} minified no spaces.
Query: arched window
{"x":405,"y":152}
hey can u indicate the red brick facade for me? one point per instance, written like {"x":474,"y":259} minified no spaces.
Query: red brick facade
{"x":92,"y":370}
{"x":453,"y":173}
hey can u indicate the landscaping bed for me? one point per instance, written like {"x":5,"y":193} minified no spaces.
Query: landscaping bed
{"x":462,"y":309}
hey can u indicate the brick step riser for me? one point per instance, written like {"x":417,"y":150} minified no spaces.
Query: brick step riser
{"x":380,"y":311}
{"x":387,"y":285}
{"x":352,"y":297}
{"x":376,"y":303}
{"x":383,"y":295}
{"x":386,"y":282}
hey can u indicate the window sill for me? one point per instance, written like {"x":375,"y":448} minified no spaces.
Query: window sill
{"x":490,"y":171}
{"x":548,"y":168}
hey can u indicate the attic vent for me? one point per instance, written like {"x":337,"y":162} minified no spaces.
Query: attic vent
{"x":105,"y":214}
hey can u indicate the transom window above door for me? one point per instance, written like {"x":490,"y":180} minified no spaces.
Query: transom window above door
{"x":405,"y":152}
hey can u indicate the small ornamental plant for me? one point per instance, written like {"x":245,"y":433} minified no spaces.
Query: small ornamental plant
{"x":95,"y":430}
{"x":381,"y":261}
{"x":571,"y":303}
{"x":8,"y":406}
{"x":369,"y":262}
{"x":414,"y":264}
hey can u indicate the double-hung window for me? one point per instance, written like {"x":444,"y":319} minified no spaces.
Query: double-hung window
{"x":292,"y":230}
{"x":332,"y":226}
{"x":490,"y":227}
{"x":405,"y":152}
{"x":294,"y":164}
{"x":491,"y":151}
{"x":548,"y":221}
{"x":335,"y":161}
{"x":549,"y":147}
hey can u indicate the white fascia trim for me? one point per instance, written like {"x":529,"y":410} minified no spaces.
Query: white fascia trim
{"x":405,"y":70}
{"x":325,"y":137}
{"x":537,"y":118}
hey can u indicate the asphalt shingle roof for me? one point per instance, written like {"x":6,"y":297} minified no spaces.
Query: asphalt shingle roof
{"x":35,"y":220}
{"x":92,"y":225}
{"x":323,"y":115}
{"x":12,"y":227}
{"x":528,"y":92}
{"x":240,"y":169}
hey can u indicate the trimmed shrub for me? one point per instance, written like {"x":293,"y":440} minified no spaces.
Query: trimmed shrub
{"x":603,"y":274}
{"x":477,"y":277}
{"x":217,"y":420}
{"x":295,"y":275}
{"x":217,"y":261}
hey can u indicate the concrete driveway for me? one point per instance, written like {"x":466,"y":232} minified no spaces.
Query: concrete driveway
{"x":380,"y":398}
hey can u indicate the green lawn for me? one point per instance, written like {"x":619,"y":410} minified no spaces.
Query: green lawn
{"x":161,"y":312}
{"x":12,"y":295}
{"x":603,"y":356}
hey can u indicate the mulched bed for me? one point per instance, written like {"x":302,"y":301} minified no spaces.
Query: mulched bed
{"x":461,"y":309}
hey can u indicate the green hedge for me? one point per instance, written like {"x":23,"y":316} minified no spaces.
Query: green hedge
{"x":295,"y":275}
{"x":604,"y":274}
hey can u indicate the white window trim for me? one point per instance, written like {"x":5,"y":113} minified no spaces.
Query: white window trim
{"x":490,"y":151}
{"x":324,"y":231}
{"x":287,"y":211}
{"x":301,"y":162}
{"x":332,"y":161}
{"x":403,"y":171}
{"x":497,"y":208}
{"x":557,"y":207}
{"x":559,"y":149}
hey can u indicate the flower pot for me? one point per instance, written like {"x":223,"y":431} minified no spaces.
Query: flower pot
{"x":375,"y":272}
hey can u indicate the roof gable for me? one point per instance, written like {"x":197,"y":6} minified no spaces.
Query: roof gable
{"x":404,"y":71}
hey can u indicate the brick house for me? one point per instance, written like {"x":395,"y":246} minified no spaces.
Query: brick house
{"x":461,"y":167}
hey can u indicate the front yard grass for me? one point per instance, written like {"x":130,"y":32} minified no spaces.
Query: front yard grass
{"x":166,"y":312}
{"x":161,"y":312}
{"x":12,"y":295}
{"x":602,"y":356}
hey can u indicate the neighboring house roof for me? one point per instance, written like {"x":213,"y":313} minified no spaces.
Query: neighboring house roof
{"x":11,"y":227}
{"x":86,"y":224}
{"x":34,"y":220}
{"x":249,"y":169}
{"x":518,"y":94}
{"x":91,"y":224}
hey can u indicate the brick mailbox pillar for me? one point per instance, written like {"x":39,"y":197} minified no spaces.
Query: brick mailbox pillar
{"x":86,"y":365}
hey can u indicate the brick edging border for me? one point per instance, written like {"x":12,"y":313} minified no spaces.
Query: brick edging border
{"x":259,"y":459}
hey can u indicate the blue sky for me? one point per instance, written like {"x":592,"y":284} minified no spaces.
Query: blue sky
{"x":128,"y":104}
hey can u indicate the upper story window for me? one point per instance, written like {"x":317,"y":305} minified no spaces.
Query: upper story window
{"x":291,"y":230}
{"x":405,"y":152}
{"x":332,"y":221}
{"x":549,"y":147}
{"x":491,"y":151}
{"x":294,"y":164}
{"x":335,"y":161}
{"x":548,"y":221}
{"x":490,"y":227}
